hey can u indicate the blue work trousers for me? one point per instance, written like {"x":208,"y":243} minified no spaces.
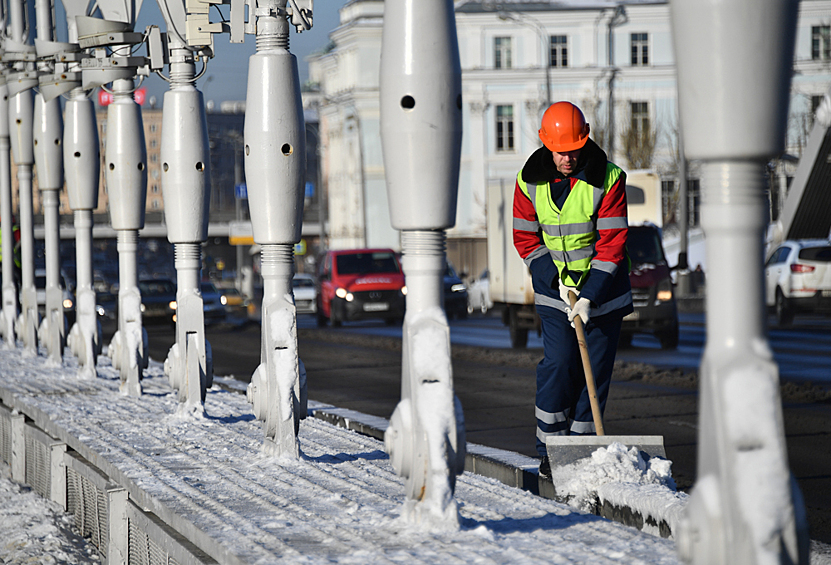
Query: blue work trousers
{"x":562,"y":404}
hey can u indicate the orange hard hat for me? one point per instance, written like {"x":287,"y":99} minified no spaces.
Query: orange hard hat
{"x":564,"y":127}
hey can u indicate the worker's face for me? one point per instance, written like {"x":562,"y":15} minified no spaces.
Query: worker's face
{"x":566,"y":162}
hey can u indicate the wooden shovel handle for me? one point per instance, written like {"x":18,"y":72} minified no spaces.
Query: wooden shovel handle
{"x":587,"y":368}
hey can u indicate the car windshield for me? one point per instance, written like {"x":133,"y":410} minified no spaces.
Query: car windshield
{"x":819,"y":254}
{"x":366,"y":263}
{"x":644,"y":246}
{"x":157,"y":288}
{"x":302,"y":283}
{"x":208,"y":288}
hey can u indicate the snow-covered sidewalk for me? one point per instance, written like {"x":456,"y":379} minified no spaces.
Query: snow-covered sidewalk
{"x":339,"y":503}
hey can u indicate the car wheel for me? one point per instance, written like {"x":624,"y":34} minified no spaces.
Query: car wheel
{"x":784,"y":313}
{"x":669,"y":338}
{"x":519,"y":336}
{"x":321,"y":319}
{"x":334,"y":317}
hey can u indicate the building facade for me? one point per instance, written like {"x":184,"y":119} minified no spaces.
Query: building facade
{"x":613,"y":59}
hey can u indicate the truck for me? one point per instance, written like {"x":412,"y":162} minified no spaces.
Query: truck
{"x":510,"y":280}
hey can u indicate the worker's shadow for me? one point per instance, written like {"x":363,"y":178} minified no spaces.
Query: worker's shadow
{"x":338,"y":458}
{"x":549,"y":521}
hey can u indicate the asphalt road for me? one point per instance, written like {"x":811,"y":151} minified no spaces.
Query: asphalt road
{"x":359,"y":367}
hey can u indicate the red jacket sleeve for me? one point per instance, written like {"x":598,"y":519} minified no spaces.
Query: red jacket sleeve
{"x":612,"y":227}
{"x":526,"y":227}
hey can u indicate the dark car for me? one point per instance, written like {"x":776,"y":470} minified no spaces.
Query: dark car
{"x":212,"y":304}
{"x":455,"y":294}
{"x":653,"y":295}
{"x":158,"y":300}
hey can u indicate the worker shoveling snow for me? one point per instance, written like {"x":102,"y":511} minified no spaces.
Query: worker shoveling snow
{"x":579,"y":482}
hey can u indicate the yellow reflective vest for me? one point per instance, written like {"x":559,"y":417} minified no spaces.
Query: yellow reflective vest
{"x":570,"y":233}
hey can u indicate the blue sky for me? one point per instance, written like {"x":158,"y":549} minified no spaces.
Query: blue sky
{"x":228,"y":71}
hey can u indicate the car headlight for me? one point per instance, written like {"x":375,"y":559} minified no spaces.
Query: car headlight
{"x":142,"y":308}
{"x":67,"y":303}
{"x":100,"y":310}
{"x":458,"y":288}
{"x":341,"y":293}
{"x":664,"y":291}
{"x":172,"y":305}
{"x":404,"y":290}
{"x":223,"y":300}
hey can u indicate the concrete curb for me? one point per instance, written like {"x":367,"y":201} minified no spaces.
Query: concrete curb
{"x":652,"y":510}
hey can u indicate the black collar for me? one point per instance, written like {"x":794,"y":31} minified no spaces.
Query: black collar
{"x":591,"y":166}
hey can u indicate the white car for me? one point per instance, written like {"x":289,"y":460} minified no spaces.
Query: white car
{"x":479,"y":294}
{"x":305,"y":293}
{"x":798,"y":278}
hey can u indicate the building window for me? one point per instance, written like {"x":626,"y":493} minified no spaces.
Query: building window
{"x":502,"y":52}
{"x":152,"y":128}
{"x":640,"y":49}
{"x":639,"y":112}
{"x":153,"y":143}
{"x":155,"y":188}
{"x":155,"y":204}
{"x":154,"y":158}
{"x":558,"y":56}
{"x":820,"y":43}
{"x":504,"y":128}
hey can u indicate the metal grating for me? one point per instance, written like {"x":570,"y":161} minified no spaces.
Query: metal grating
{"x":38,"y":466}
{"x":143,"y":550}
{"x":5,"y":435}
{"x":153,"y":542}
{"x":88,"y":504}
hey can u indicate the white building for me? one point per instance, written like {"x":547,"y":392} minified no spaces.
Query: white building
{"x":516,"y":56}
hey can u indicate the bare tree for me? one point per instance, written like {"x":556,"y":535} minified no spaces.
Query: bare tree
{"x":638,"y":141}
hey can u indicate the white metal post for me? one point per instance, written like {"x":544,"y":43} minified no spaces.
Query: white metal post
{"x":745,"y":507}
{"x":126,"y":171}
{"x":274,"y":166}
{"x":21,"y":109}
{"x":48,"y":134}
{"x":186,"y":189}
{"x":82,"y":168}
{"x":421,"y":122}
{"x":9,"y":312}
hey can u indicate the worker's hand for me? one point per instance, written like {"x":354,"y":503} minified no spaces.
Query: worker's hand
{"x":564,"y":290}
{"x":581,"y":308}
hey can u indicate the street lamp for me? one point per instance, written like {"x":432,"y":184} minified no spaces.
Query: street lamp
{"x":528,"y":21}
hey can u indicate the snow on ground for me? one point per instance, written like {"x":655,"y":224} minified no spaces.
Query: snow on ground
{"x":339,"y":503}
{"x":36,"y":530}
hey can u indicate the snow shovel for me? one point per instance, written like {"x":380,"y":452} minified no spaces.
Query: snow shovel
{"x":564,"y":450}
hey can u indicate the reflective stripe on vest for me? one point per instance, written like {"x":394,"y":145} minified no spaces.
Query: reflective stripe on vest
{"x":571,"y":232}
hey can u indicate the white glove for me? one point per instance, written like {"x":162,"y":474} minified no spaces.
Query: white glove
{"x":564,"y":290}
{"x":581,"y":308}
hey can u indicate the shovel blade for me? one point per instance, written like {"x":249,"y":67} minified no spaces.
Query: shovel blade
{"x":564,"y":450}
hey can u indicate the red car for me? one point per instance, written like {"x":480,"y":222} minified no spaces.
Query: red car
{"x":355,"y":284}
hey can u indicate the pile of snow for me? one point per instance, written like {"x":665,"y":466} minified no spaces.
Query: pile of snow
{"x":580,"y":481}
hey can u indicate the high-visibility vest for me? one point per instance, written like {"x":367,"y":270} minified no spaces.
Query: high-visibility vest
{"x":571,"y":232}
